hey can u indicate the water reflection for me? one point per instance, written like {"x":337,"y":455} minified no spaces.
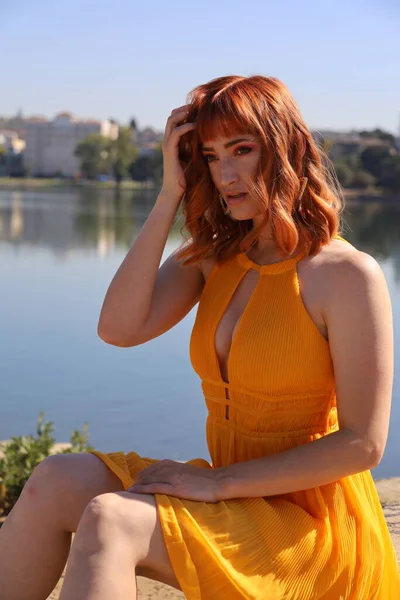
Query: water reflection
{"x":86,"y":218}
{"x":375,"y":228}
{"x":102,"y":220}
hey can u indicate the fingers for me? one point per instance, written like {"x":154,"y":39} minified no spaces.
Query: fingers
{"x":176,"y":125}
{"x":183,"y":107}
{"x":151,"y":488}
{"x":164,"y":471}
{"x":177,"y":116}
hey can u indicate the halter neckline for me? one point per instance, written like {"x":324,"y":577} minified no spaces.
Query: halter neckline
{"x":271,"y":268}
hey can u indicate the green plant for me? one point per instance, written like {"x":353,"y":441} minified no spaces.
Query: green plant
{"x":23,"y":453}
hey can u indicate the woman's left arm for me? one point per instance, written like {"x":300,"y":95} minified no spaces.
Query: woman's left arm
{"x":358,"y":315}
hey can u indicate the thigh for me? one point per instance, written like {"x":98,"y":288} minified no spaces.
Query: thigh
{"x":66,"y":483}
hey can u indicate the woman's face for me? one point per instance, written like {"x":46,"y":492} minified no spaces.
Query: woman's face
{"x":233,"y":165}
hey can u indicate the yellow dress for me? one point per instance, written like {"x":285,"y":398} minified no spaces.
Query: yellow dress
{"x":325,"y":543}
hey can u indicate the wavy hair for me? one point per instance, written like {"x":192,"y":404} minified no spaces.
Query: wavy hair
{"x":295,"y":183}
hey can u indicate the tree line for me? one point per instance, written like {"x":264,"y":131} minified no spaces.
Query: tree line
{"x":101,"y":156}
{"x":372,"y":166}
{"x":375,"y":166}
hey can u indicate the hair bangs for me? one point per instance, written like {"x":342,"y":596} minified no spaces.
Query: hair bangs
{"x":222,"y":117}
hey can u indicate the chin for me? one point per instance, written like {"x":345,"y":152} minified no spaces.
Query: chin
{"x":243,"y":213}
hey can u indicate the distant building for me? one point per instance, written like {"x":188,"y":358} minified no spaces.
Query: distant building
{"x":15,"y":123}
{"x":12,"y":163}
{"x":50,"y":145}
{"x":147,"y":140}
{"x":11,"y":141}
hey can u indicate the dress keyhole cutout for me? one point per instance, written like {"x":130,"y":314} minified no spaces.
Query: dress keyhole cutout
{"x":228,"y":325}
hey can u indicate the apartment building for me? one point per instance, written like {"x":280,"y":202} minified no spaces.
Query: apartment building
{"x":50,"y":145}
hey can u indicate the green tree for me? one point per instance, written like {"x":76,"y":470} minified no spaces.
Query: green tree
{"x":372,"y":159}
{"x":15,"y":165}
{"x":3,"y":160}
{"x":157,"y":161}
{"x":148,"y":167}
{"x":94,"y":155}
{"x":141,"y":169}
{"x":390,"y":176}
{"x":344,"y":173}
{"x":380,"y":134}
{"x":122,"y":153}
{"x":362,"y":180}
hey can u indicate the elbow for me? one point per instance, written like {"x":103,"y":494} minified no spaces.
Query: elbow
{"x":373,"y":453}
{"x":367,"y":452}
{"x":113,"y":338}
{"x":376,"y":455}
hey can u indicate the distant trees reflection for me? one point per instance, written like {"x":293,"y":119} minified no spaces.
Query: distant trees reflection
{"x":102,"y":220}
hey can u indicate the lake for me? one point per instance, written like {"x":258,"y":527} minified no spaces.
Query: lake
{"x":58,"y":253}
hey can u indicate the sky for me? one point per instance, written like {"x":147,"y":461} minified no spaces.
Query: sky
{"x":122,"y":58}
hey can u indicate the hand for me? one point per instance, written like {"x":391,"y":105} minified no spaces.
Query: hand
{"x":181,"y":480}
{"x":174,"y":183}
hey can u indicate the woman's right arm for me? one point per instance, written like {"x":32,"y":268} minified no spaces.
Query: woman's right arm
{"x":144,"y":300}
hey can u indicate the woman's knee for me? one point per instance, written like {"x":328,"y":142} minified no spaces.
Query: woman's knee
{"x":68,"y":482}
{"x":119,"y":514}
{"x":56,"y":472}
{"x":132,"y":520}
{"x":46,"y":477}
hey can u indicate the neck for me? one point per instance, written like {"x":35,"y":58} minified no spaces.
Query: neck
{"x":265,"y":249}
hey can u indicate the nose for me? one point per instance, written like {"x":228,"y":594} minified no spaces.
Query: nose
{"x":228,"y":173}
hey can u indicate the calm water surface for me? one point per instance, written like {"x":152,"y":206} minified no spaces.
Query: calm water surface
{"x":58,"y":253}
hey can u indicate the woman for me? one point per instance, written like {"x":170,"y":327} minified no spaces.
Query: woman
{"x":293,"y":343}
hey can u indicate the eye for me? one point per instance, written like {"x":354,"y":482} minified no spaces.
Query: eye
{"x":246,"y":149}
{"x":241,"y":150}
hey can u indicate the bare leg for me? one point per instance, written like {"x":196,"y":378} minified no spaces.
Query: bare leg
{"x":35,"y":539}
{"x":117,"y":533}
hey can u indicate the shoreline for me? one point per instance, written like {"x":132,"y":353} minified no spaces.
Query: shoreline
{"x":59,"y":184}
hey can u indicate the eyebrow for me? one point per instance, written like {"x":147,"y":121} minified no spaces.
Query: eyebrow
{"x":227,"y":145}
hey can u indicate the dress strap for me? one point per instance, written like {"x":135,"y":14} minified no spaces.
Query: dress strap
{"x":278,"y":267}
{"x":271,"y":268}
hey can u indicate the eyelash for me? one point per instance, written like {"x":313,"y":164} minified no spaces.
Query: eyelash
{"x":207,"y":156}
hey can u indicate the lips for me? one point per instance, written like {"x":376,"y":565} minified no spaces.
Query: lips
{"x":236,"y":198}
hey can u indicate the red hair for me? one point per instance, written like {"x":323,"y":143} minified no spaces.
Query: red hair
{"x":301,"y":215}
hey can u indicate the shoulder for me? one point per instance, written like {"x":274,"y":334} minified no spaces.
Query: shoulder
{"x":341,"y":263}
{"x":345,"y":276}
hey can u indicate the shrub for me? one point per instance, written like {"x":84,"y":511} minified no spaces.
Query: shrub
{"x":24,"y":453}
{"x":362,"y":179}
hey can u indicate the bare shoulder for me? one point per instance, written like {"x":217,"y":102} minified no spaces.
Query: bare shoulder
{"x":336,"y":278}
{"x":339,"y":273}
{"x":338,"y":261}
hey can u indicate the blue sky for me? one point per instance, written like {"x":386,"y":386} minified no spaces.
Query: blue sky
{"x":127,"y":58}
